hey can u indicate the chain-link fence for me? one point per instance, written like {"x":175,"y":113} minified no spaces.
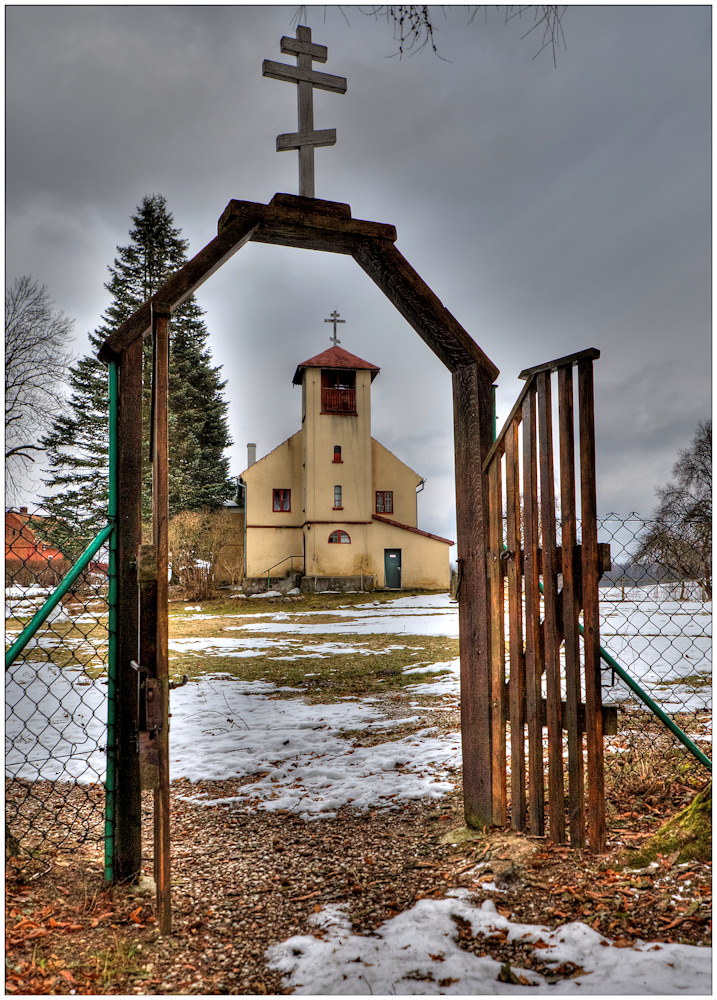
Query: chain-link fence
{"x":55,"y":698}
{"x":656,"y":622}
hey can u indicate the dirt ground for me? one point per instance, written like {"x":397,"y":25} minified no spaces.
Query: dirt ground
{"x":245,"y":880}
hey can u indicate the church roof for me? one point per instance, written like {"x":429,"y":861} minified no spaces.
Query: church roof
{"x":335,"y":357}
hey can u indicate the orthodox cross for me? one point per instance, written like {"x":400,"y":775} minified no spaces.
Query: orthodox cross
{"x":334,"y":318}
{"x":306,"y":79}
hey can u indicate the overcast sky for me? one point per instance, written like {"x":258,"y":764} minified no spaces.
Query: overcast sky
{"x":551,"y":209}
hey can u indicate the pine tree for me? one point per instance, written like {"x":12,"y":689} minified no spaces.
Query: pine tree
{"x":77,"y":446}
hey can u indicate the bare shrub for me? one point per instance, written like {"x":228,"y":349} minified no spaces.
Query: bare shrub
{"x":198,"y":541}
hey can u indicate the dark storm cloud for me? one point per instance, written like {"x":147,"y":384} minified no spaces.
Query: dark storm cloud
{"x":550,"y":209}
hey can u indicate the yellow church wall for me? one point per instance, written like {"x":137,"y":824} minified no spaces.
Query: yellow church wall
{"x":273,"y":535}
{"x":390,"y":473}
{"x":424,"y":560}
{"x":338,"y":559}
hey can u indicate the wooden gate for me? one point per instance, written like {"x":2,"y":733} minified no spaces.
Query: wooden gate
{"x":537,"y":643}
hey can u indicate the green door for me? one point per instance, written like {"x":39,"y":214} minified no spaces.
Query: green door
{"x":392,"y":568}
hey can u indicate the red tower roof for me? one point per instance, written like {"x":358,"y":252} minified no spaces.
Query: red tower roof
{"x":335,"y":357}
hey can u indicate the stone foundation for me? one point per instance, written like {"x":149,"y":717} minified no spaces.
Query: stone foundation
{"x":342,"y":584}
{"x":282,"y":584}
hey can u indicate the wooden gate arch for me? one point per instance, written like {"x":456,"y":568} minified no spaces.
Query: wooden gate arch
{"x":141,"y":726}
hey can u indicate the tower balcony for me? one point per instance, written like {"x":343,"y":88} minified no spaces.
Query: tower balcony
{"x":336,"y":400}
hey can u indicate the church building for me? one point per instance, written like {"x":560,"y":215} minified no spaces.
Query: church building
{"x":331,"y":503}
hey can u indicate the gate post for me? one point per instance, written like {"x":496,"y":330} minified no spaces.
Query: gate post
{"x":473,"y":423}
{"x":128,"y":798}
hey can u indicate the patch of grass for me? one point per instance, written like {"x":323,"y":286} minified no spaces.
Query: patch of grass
{"x":225,"y":605}
{"x":379,"y":667}
{"x":691,"y":680}
{"x":118,"y":959}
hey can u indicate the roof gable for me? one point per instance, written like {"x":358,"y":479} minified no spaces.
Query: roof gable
{"x":335,"y":357}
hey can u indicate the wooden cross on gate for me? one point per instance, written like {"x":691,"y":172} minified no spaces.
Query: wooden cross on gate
{"x":334,"y":318}
{"x":306,"y":79}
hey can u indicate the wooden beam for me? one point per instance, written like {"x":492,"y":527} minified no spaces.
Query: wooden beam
{"x":184,"y":282}
{"x":473,"y":420}
{"x":160,"y":531}
{"x":589,"y":354}
{"x":128,"y":808}
{"x":385,"y":265}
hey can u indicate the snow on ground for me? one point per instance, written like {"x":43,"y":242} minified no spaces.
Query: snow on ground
{"x":301,"y":757}
{"x":422,"y":942}
{"x":222,"y":728}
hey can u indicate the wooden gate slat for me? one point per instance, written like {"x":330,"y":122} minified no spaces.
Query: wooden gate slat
{"x":570,"y":608}
{"x":556,"y":808}
{"x":591,"y":643}
{"x":533,"y":658}
{"x":497,"y":643}
{"x":516,"y":685}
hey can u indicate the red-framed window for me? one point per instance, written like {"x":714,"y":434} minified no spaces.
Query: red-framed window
{"x":340,"y":536}
{"x":338,"y":502}
{"x":384,"y":501}
{"x":337,"y":453}
{"x":282,"y":500}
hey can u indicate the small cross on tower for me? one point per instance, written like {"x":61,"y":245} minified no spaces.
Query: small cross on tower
{"x":306,"y":79}
{"x":334,"y":318}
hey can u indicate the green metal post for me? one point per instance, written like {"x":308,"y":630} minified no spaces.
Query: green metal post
{"x":110,"y":780}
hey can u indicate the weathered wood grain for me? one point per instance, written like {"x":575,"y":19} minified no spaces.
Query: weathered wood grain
{"x":556,"y":810}
{"x":128,"y":808}
{"x":497,"y":642}
{"x":473,"y":417}
{"x":515,"y":628}
{"x":597,"y":830}
{"x":385,"y":265}
{"x":570,"y":607}
{"x":160,"y":531}
{"x":533,"y":659}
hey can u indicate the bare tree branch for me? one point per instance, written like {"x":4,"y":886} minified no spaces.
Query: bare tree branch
{"x":37,"y":359}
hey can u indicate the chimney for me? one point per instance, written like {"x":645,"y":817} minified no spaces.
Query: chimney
{"x":250,"y":455}
{"x":23,"y":510}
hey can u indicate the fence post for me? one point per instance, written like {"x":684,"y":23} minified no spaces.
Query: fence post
{"x":473,"y":423}
{"x":111,"y":774}
{"x":128,"y":798}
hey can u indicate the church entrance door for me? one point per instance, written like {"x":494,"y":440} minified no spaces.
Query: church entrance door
{"x":392,"y":568}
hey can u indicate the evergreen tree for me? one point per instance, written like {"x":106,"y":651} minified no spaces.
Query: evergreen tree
{"x":198,"y":434}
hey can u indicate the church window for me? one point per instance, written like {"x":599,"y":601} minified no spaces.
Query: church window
{"x":340,"y":536}
{"x":384,"y":501}
{"x":337,"y":453}
{"x":282,"y":500}
{"x":338,"y":505}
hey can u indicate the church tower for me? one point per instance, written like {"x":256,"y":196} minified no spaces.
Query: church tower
{"x":337,"y":500}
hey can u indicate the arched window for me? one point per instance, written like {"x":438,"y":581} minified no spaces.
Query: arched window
{"x":340,"y":536}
